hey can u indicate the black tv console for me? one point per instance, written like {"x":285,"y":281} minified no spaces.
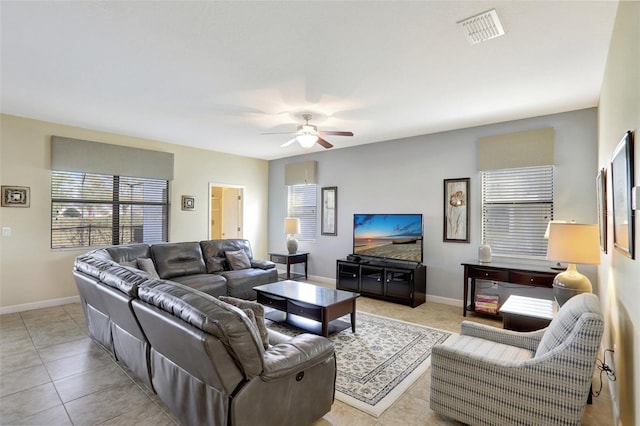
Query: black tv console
{"x":391,"y":280}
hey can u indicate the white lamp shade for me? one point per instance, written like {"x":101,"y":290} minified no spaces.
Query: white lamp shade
{"x":574,"y":243}
{"x":307,"y":140}
{"x":291,"y":225}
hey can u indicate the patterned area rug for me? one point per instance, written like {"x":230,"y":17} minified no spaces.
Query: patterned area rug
{"x":380,"y":361}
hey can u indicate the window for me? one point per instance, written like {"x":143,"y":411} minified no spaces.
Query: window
{"x":96,"y":210}
{"x":517,"y":204}
{"x":302,"y":203}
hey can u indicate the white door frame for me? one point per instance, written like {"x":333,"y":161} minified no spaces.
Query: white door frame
{"x":240,"y":208}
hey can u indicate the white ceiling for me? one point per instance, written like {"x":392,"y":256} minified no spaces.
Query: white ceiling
{"x":217,"y":74}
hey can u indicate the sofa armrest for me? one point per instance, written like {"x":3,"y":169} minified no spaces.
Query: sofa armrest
{"x":262,"y":264}
{"x":297,"y":354}
{"x":525,"y":340}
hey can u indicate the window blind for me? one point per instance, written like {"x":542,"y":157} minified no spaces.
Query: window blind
{"x":517,"y":205}
{"x":95,"y":210}
{"x":302,"y":203}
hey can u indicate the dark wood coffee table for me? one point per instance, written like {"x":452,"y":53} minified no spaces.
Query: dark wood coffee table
{"x":322,"y":305}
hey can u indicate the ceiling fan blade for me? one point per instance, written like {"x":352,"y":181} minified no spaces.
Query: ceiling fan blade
{"x":335,"y":132}
{"x":278,"y":133}
{"x":324,"y":143}
{"x":288,"y":143}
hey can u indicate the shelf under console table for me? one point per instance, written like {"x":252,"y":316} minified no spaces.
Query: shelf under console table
{"x":526,"y":275}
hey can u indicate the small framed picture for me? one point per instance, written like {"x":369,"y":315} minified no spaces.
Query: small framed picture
{"x":188,"y":202}
{"x":456,"y":210}
{"x":15,"y":196}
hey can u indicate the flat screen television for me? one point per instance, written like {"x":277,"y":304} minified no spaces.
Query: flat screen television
{"x":389,"y":236}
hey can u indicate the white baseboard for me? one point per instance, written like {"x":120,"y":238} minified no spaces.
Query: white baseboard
{"x":444,"y":300}
{"x":38,"y":305}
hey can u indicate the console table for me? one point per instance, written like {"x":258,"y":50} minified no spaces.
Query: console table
{"x":290,"y":259}
{"x":526,"y":275}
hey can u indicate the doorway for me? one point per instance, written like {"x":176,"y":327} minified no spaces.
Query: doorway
{"x":225,"y":211}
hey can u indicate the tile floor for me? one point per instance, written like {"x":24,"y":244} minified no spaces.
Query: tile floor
{"x":51,"y":373}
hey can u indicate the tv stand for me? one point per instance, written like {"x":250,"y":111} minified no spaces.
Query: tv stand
{"x":392,"y":280}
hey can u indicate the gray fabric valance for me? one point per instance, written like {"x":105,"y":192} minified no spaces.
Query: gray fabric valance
{"x":300,"y":173}
{"x":94,"y":157}
{"x":521,"y":149}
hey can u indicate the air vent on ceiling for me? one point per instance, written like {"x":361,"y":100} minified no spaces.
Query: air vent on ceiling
{"x":482,"y":27}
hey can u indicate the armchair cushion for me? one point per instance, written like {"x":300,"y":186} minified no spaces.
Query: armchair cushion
{"x":565,"y":321}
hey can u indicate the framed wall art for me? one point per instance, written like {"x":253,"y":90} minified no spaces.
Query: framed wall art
{"x":329,"y":225}
{"x":621,"y":184}
{"x":601,"y":192}
{"x":15,"y":196}
{"x":188,"y":202}
{"x":456,"y":210}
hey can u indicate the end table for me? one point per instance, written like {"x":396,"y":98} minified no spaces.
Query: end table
{"x":290,"y":259}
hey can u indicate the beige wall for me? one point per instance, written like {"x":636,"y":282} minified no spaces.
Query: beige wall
{"x":30,"y":272}
{"x":619,"y":111}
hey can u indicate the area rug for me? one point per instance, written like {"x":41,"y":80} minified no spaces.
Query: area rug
{"x":380,"y":361}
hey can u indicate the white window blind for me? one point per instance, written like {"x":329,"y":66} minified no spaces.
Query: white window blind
{"x":90,"y":209}
{"x":302,"y":203}
{"x":517,"y":204}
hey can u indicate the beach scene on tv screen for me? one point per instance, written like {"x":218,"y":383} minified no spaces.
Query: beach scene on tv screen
{"x":393,"y":236}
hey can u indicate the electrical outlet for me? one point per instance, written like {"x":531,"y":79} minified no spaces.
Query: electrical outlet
{"x":6,"y":231}
{"x":634,"y":198}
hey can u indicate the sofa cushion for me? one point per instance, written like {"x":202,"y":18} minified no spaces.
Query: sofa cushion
{"x":123,"y":278}
{"x":178,"y":259}
{"x":128,"y":252}
{"x":216,"y":264}
{"x":224,"y":321}
{"x":214,"y":285}
{"x":240,"y":283}
{"x":218,"y":248}
{"x":238,"y":260}
{"x":258,"y":314}
{"x":146,"y":264}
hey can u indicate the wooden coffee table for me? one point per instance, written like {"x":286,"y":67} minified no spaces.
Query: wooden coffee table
{"x":322,"y":305}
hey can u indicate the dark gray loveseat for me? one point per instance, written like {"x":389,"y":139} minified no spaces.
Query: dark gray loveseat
{"x":207,"y":360}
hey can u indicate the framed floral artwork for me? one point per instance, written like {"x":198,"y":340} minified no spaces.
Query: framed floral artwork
{"x":456,"y":210}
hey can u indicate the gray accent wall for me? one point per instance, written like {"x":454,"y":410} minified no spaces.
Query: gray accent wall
{"x":406,"y":176}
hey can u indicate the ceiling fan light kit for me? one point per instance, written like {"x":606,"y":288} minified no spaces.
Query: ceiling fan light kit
{"x":307,"y":135}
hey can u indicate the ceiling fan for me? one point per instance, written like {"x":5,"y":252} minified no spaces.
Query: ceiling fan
{"x":308,"y":134}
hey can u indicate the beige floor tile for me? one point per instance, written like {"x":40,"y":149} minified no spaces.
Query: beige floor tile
{"x":63,"y":350}
{"x":93,"y":359}
{"x":147,"y":413}
{"x":79,"y":385}
{"x":24,"y":378}
{"x":9,"y":320}
{"x":56,"y":325}
{"x":44,"y":313}
{"x":53,"y":416}
{"x":12,"y":362}
{"x":43,"y":339}
{"x":13,"y":334}
{"x":106,"y":404}
{"x":15,"y":347}
{"x":27,"y":403}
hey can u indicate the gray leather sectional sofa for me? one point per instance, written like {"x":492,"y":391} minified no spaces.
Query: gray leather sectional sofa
{"x":203,"y":357}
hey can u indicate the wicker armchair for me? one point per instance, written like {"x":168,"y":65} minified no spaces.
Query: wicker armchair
{"x":491,"y":376}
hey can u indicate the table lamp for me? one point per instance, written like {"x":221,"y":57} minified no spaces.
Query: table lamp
{"x":292,"y":227}
{"x":572,"y":243}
